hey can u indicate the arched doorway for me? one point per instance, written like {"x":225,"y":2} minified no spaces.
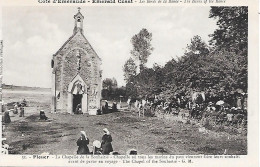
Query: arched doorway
{"x":77,"y":96}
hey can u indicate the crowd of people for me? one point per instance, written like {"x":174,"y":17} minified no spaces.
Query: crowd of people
{"x":221,"y":106}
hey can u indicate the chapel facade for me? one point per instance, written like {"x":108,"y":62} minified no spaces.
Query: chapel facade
{"x":76,"y":74}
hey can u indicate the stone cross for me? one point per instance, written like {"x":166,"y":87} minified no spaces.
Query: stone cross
{"x":79,"y":60}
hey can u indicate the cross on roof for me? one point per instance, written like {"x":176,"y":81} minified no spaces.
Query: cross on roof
{"x":79,"y":9}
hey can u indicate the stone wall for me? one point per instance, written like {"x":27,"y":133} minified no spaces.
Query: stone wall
{"x":65,"y":66}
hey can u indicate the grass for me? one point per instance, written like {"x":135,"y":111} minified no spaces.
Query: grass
{"x":148,"y":135}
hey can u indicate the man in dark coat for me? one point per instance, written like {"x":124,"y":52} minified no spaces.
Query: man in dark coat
{"x":106,"y":142}
{"x":82,"y":143}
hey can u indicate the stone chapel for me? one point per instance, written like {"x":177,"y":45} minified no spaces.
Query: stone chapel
{"x":76,"y":74}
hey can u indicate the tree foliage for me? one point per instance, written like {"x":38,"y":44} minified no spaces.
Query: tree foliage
{"x":222,"y":67}
{"x":232,"y":32}
{"x":111,"y":91}
{"x":142,"y":47}
{"x":217,"y":70}
{"x":129,"y":69}
{"x":197,"y":46}
{"x":109,"y":83}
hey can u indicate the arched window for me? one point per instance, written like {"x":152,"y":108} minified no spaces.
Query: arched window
{"x":78,"y":22}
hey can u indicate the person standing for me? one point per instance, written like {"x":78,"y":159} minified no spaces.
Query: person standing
{"x":106,"y":142}
{"x":21,"y":111}
{"x":106,"y":106}
{"x":129,"y":103}
{"x":239,"y":102}
{"x":82,"y":143}
{"x":15,"y":108}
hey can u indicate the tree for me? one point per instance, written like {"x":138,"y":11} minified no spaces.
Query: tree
{"x":232,"y":32}
{"x":114,"y":83}
{"x":109,"y":88}
{"x":129,"y":69}
{"x":107,"y":83}
{"x":232,"y":35}
{"x":120,"y":92}
{"x":142,"y":47}
{"x":197,"y":46}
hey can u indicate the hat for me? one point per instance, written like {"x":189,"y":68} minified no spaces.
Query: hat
{"x":106,"y":131}
{"x":97,"y":144}
{"x":210,"y":102}
{"x":83,"y":133}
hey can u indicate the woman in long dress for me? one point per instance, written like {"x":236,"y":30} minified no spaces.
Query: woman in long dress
{"x":82,"y":143}
{"x":106,"y":142}
{"x":6,"y":117}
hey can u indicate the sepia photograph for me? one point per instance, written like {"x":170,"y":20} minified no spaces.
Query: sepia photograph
{"x":123,"y":80}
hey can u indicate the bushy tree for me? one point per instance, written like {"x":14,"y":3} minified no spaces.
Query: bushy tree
{"x":109,"y":87}
{"x":108,"y":84}
{"x":221,"y":67}
{"x":129,"y":69}
{"x":232,"y":32}
{"x":142,"y":47}
{"x":197,"y":46}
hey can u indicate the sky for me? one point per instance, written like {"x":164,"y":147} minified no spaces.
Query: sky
{"x":33,"y":34}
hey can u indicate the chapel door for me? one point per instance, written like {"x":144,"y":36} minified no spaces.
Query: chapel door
{"x":77,"y":100}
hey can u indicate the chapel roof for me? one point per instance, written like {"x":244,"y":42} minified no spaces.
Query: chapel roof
{"x":74,"y":34}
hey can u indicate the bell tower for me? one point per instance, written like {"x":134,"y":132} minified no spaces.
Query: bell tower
{"x":78,"y":22}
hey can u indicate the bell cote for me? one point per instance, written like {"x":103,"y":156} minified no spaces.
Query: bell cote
{"x":78,"y":22}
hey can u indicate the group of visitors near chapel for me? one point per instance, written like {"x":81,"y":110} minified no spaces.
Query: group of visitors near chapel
{"x":225,"y":107}
{"x":105,"y":108}
{"x":104,"y":147}
{"x":17,"y":109}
